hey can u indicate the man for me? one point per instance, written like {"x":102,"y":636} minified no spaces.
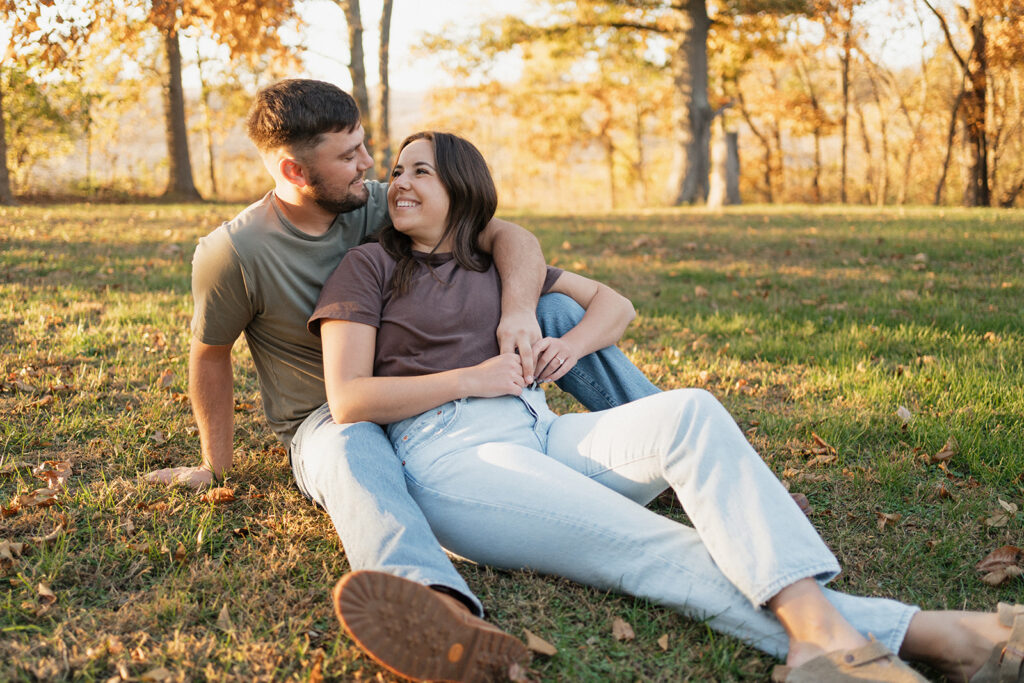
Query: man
{"x":260,"y":275}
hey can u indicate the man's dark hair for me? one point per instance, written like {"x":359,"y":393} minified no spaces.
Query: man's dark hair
{"x":297,"y":112}
{"x":472,"y":201}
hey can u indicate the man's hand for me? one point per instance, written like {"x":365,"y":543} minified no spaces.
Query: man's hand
{"x":194,"y":477}
{"x":519,"y":332}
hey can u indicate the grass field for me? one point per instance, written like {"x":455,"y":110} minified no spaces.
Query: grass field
{"x":850,"y":344}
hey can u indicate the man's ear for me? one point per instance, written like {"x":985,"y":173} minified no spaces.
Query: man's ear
{"x":293,"y":171}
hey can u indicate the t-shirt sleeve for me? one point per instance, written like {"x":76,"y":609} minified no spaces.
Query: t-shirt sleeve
{"x":222,"y":306}
{"x":353,"y":292}
{"x":550,"y":279}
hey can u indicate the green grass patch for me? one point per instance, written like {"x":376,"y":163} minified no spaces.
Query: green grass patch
{"x":803,"y":322}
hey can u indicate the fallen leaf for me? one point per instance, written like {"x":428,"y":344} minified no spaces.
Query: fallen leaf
{"x":166,"y":379}
{"x":1009,"y":507}
{"x":46,"y":596}
{"x":517,"y":673}
{"x":48,"y":538}
{"x":663,"y":642}
{"x":179,"y":553}
{"x":6,"y":512}
{"x":907,"y":295}
{"x":998,"y":520}
{"x":1001,"y":565}
{"x":221,"y":494}
{"x":821,"y":460}
{"x":950,"y":449}
{"x":139,"y":547}
{"x":316,"y":674}
{"x":241,"y":531}
{"x":822,"y":443}
{"x":802,"y":502}
{"x":224,"y":619}
{"x":887,"y":519}
{"x":54,"y":472}
{"x":157,"y":675}
{"x":535,"y":643}
{"x":8,"y":553}
{"x":621,"y":630}
{"x":158,"y":437}
{"x":903,"y":414}
{"x":701,"y":292}
{"x":39,"y":498}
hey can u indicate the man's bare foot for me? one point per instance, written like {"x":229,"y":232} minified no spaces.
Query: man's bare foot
{"x":193,"y":477}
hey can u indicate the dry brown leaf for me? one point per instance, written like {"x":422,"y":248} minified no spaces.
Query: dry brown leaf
{"x":54,"y":472}
{"x":663,"y":641}
{"x":6,"y":512}
{"x":241,"y":531}
{"x":621,"y":630}
{"x":39,"y":498}
{"x":166,"y":379}
{"x":46,"y":596}
{"x":701,"y":292}
{"x":179,"y":553}
{"x":802,"y":502}
{"x":1011,"y":508}
{"x":139,"y":547}
{"x":221,"y":494}
{"x":316,"y":674}
{"x":50,"y":537}
{"x":224,"y":619}
{"x":948,"y":450}
{"x":887,"y":519}
{"x":1001,"y":557}
{"x":8,"y":553}
{"x":535,"y":643}
{"x":998,"y":520}
{"x":822,"y":460}
{"x":157,"y":675}
{"x":517,"y":673}
{"x":822,"y":443}
{"x":158,"y":437}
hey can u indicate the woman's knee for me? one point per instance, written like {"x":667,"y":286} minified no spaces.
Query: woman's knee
{"x":557,"y":314}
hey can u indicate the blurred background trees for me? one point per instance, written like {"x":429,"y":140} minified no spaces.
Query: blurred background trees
{"x":588,"y":104}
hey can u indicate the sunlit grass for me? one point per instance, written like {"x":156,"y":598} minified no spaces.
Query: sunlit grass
{"x":804,"y":321}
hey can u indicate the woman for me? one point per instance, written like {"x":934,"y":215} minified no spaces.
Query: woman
{"x":408,"y":339}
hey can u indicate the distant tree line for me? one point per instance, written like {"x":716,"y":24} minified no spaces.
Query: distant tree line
{"x":620,"y":102}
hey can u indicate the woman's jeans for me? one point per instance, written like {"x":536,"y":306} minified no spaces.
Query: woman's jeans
{"x":352,"y":472}
{"x":505,"y":482}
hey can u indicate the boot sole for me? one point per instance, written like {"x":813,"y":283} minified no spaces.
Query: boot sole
{"x":409,"y":630}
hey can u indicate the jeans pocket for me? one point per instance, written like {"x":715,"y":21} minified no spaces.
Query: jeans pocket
{"x":416,"y":432}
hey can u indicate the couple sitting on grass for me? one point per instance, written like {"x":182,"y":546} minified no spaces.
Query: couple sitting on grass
{"x":418,"y":334}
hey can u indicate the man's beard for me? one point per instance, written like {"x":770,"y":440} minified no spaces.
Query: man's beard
{"x":349,"y":201}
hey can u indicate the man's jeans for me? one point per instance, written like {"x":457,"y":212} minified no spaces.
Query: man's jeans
{"x":353,"y":473}
{"x":507,"y":483}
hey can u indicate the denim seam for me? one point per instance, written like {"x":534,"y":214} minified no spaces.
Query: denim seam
{"x":597,"y":387}
{"x":596,"y":530}
{"x":402,"y":448}
{"x":614,"y":468}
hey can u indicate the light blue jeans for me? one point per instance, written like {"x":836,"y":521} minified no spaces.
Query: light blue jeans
{"x":506,"y":482}
{"x":352,"y":472}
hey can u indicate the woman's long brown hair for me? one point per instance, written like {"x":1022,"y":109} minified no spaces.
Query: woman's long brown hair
{"x":472,"y":201}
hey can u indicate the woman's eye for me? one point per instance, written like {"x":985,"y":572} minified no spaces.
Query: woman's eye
{"x":396,"y":173}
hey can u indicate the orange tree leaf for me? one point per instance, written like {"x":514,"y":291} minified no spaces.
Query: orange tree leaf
{"x":38,"y":498}
{"x":54,"y":472}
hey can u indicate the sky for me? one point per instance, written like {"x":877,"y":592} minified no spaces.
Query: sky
{"x":411,"y":20}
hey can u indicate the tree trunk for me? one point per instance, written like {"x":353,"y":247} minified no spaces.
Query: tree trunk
{"x":949,"y":148}
{"x":204,"y":96}
{"x":765,"y":143}
{"x":847,"y":54}
{"x":6,"y":196}
{"x":179,"y":184}
{"x":973,"y":112}
{"x":357,"y":70}
{"x":690,"y":67}
{"x":384,"y":103}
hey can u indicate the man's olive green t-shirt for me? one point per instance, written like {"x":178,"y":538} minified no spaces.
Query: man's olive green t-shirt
{"x":260,"y":276}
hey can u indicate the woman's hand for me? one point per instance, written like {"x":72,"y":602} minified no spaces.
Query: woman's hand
{"x":554,"y":357}
{"x":498,"y":376}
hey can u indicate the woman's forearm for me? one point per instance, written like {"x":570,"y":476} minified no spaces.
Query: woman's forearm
{"x":390,"y":399}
